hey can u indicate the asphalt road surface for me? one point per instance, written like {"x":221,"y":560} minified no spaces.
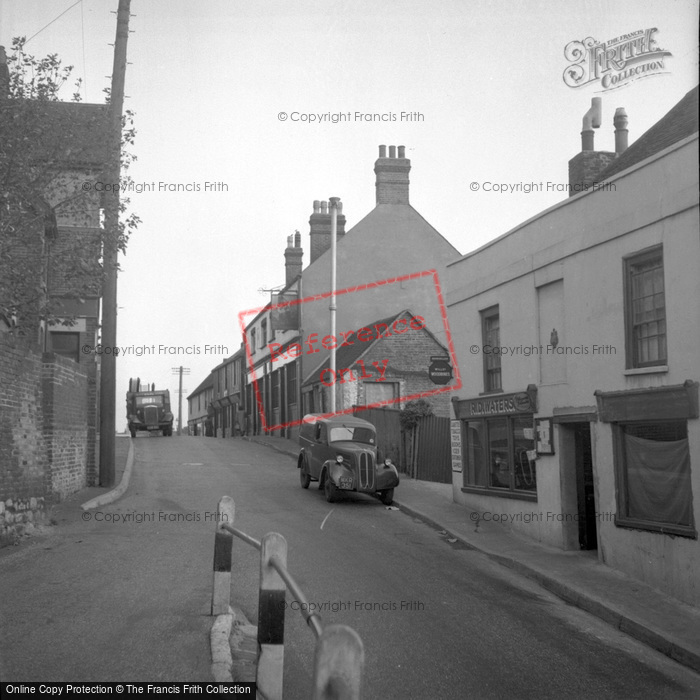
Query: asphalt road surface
{"x":128,"y":599}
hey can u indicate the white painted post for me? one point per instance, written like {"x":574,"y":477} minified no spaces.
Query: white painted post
{"x":338,"y":664}
{"x":271,"y":608}
{"x":223,"y":542}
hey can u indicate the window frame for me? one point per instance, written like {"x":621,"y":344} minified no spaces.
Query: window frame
{"x":510,"y":491}
{"x":623,"y":520}
{"x":74,"y":335}
{"x":487,"y":315}
{"x":631,"y":348}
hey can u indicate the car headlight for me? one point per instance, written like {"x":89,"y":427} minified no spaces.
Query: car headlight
{"x":339,"y":459}
{"x":387,"y":462}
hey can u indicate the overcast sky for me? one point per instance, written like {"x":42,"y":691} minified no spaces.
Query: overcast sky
{"x":209,"y":79}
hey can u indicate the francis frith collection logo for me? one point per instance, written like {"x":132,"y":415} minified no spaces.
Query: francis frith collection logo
{"x":614,"y":63}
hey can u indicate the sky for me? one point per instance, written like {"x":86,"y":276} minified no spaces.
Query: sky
{"x":224,"y":90}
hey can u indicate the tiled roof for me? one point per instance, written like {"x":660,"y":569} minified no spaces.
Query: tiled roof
{"x":347,"y":355}
{"x":679,"y":123}
{"x":206,"y":384}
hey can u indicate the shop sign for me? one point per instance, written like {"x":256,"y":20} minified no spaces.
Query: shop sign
{"x":456,"y":442}
{"x":498,"y":405}
{"x":545,"y":446}
{"x":440,"y":370}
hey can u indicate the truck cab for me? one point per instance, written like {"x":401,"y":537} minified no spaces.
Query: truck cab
{"x":148,"y":409}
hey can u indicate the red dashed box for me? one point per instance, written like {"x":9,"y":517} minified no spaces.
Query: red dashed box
{"x":245,"y":316}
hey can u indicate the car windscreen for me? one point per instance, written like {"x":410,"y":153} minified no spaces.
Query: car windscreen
{"x":149,"y":400}
{"x":353,"y":433}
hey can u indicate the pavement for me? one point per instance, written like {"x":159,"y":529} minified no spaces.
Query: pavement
{"x":645,"y":613}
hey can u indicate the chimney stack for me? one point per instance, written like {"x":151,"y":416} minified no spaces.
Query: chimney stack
{"x":392,"y":176}
{"x":320,"y":228}
{"x":293,"y":258}
{"x":585,"y":167}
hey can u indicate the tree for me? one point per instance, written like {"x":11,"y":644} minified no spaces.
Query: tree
{"x":52,"y":154}
{"x":413,"y":411}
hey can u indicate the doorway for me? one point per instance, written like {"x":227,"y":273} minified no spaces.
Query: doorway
{"x":585,"y":491}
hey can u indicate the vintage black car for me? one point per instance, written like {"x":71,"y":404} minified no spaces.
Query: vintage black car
{"x":340,"y":453}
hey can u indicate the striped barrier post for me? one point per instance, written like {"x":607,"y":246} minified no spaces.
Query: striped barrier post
{"x":223,"y":542}
{"x":338,"y":663}
{"x":271,"y":608}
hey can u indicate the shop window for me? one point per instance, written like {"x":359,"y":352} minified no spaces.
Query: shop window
{"x":65,"y":344}
{"x":491,"y":336}
{"x":645,"y":309}
{"x":652,"y":463}
{"x":499,"y":454}
{"x":476,"y":469}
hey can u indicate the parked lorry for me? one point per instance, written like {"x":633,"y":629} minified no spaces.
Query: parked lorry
{"x":148,"y":409}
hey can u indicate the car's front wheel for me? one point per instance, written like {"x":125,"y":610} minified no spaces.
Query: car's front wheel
{"x":330,"y":489}
{"x":304,"y":478}
{"x":387,"y":497}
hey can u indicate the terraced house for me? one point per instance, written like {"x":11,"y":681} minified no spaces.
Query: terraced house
{"x":578,"y":421}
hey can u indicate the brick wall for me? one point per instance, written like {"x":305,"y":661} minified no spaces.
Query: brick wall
{"x":408,"y":358}
{"x":65,"y":393}
{"x":585,"y":167}
{"x":43,"y":433}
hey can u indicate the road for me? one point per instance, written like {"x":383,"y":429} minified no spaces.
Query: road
{"x":108,"y":599}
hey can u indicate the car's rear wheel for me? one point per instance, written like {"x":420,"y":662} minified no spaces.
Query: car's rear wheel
{"x":387,"y":497}
{"x":330,"y":489}
{"x":304,"y":477}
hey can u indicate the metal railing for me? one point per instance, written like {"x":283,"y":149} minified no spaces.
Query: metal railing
{"x":339,"y":654}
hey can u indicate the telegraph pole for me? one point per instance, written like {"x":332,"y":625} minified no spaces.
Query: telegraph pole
{"x":180,"y":370}
{"x":108,"y":369}
{"x":334,"y":201}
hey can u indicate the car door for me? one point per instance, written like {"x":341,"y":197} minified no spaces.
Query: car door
{"x":319,"y":449}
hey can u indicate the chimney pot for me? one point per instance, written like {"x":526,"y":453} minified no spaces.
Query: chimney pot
{"x":382,"y":151}
{"x":392,"y":151}
{"x":317,"y":206}
{"x":402,"y":151}
{"x":591,"y":120}
{"x":621,"y":131}
{"x":297,"y":239}
{"x":324,"y":207}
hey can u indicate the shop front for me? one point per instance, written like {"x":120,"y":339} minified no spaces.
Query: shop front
{"x":498,"y":445}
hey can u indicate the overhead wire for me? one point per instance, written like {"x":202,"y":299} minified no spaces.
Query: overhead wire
{"x":52,"y":21}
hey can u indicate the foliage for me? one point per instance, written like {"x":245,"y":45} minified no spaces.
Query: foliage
{"x":51,"y":155}
{"x":413,"y":411}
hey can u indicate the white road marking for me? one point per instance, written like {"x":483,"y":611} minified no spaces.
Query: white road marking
{"x":326,"y":518}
